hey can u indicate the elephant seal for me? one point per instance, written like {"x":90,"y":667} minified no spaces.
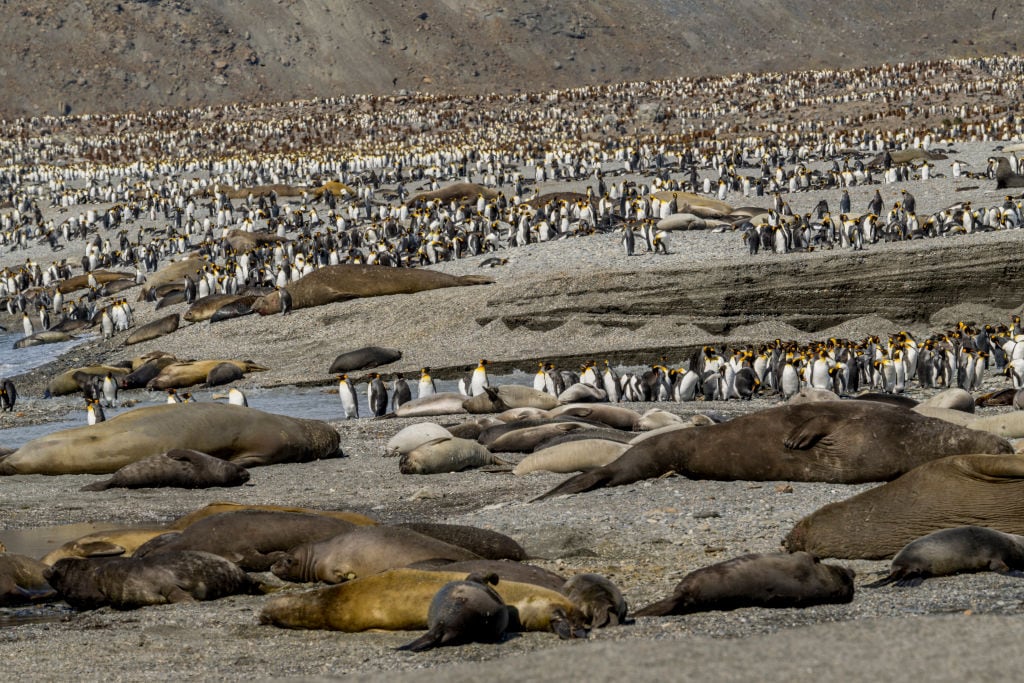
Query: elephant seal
{"x":346,"y":281}
{"x":616,"y":417}
{"x":217,"y":508}
{"x":486,"y":543}
{"x":444,"y":403}
{"x":172,"y":298}
{"x":656,"y":418}
{"x":756,"y":580}
{"x":1005,"y":177}
{"x":241,"y":306}
{"x":177,"y":468}
{"x":953,"y":399}
{"x":189,"y":373}
{"x":363,"y":359}
{"x":252,"y":539}
{"x":65,"y":383}
{"x":132,"y":582}
{"x":987,"y":490}
{"x":448,"y":455}
{"x":508,"y":396}
{"x":141,"y":376}
{"x":582,"y":393}
{"x":245,"y":436}
{"x":815,"y":395}
{"x":109,"y":543}
{"x":102,"y":277}
{"x":44,"y":337}
{"x":414,"y":436}
{"x":399,"y":600}
{"x":843,"y":442}
{"x":361,"y":552}
{"x":525,"y":440}
{"x":464,"y":612}
{"x":1006,"y":425}
{"x":173,"y":273}
{"x":573,"y":456}
{"x":155,"y":329}
{"x":458,"y":191}
{"x":598,"y":598}
{"x":22,"y":580}
{"x":205,"y":307}
{"x":506,"y":570}
{"x":958,"y":550}
{"x":223,"y":373}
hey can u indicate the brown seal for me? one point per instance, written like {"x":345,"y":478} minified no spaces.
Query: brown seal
{"x":508,"y":396}
{"x":204,"y":308}
{"x":189,"y":373}
{"x":227,"y":506}
{"x":245,"y":436}
{"x":252,"y":539}
{"x":132,"y":582}
{"x":464,"y":612}
{"x":66,"y":383}
{"x":447,"y":455}
{"x":363,"y":359}
{"x":107,"y":543}
{"x":155,"y":329}
{"x":77,"y":282}
{"x":756,"y":580}
{"x":486,"y":543}
{"x":399,"y":600}
{"x":361,"y":552}
{"x":177,"y":468}
{"x":843,"y":442}
{"x":22,"y":580}
{"x":346,"y":281}
{"x":987,"y":490}
{"x":598,"y":598}
{"x":461,"y":192}
{"x":958,"y":550}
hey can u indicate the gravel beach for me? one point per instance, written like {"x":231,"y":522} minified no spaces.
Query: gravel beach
{"x":645,"y":537}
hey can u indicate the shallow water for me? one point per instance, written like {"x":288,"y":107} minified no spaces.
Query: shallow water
{"x":17,"y":361}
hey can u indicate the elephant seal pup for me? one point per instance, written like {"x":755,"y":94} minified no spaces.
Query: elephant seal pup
{"x":130,"y":582}
{"x":486,"y":543}
{"x":953,"y":399}
{"x":140,"y":376}
{"x":177,"y":468}
{"x":756,"y":580}
{"x":240,"y":307}
{"x":22,"y":580}
{"x":101,"y":277}
{"x":363,"y":359}
{"x":155,"y":329}
{"x":346,"y":281}
{"x":245,"y":436}
{"x":217,"y":508}
{"x":399,"y":600}
{"x":203,"y":309}
{"x":527,"y":439}
{"x":109,"y":543}
{"x":843,"y":442}
{"x":572,"y":456}
{"x":252,"y":539}
{"x":987,"y":490}
{"x":414,"y":436}
{"x":598,"y":598}
{"x":508,"y":396}
{"x":223,"y":373}
{"x":44,"y":337}
{"x":582,"y":393}
{"x":958,"y":550}
{"x":362,"y":552}
{"x":616,"y":417}
{"x":449,"y":455}
{"x":656,"y":418}
{"x":464,"y":612}
{"x":189,"y":373}
{"x":444,"y":403}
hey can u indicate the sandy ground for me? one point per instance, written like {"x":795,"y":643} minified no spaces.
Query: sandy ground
{"x":645,"y":536}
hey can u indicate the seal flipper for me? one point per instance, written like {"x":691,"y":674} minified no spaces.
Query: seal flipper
{"x":885,"y":581}
{"x":427,"y":641}
{"x":661,"y":608}
{"x":812,"y":431}
{"x":587,"y":481}
{"x":99,"y":485}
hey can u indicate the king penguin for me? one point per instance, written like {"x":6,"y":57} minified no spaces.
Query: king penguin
{"x":479,"y":379}
{"x":377,"y":395}
{"x":172,"y":396}
{"x":426,"y":385}
{"x":401,"y":393}
{"x":109,"y":390}
{"x":237,"y":398}
{"x":349,"y":402}
{"x":94,"y":412}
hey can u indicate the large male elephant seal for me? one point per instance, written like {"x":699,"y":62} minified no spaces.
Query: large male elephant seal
{"x":399,"y":600}
{"x":245,"y":436}
{"x":346,"y":281}
{"x":177,"y":468}
{"x":252,"y":539}
{"x":130,"y":582}
{"x":958,"y":550}
{"x":775,"y":580}
{"x":843,"y":442}
{"x":987,"y":490}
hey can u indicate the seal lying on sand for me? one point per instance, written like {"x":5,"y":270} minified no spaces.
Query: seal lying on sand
{"x":776,"y":580}
{"x":245,"y":436}
{"x":987,"y":490}
{"x":843,"y":442}
{"x":954,"y":551}
{"x":177,"y":468}
{"x":342,"y":282}
{"x":464,"y":612}
{"x":22,"y":580}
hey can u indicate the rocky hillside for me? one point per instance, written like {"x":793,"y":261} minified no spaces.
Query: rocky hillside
{"x":114,"y":55}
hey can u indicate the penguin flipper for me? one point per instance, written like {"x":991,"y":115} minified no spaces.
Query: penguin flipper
{"x":812,"y":431}
{"x":587,"y":481}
